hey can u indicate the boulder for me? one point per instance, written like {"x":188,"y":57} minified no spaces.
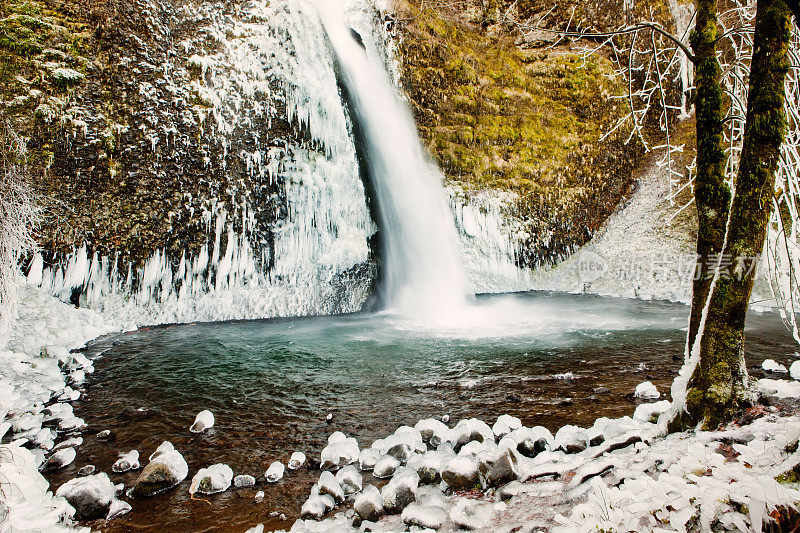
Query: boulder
{"x":502,"y":469}
{"x":203,"y":421}
{"x":400,"y":491}
{"x":369,"y":504}
{"x":424,"y":516}
{"x":385,"y":467}
{"x":162,"y":473}
{"x":211,"y":480}
{"x":91,"y":496}
{"x":59,"y":460}
{"x":349,"y":480}
{"x":461,"y":473}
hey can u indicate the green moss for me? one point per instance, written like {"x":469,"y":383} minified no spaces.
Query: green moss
{"x":790,"y":476}
{"x":497,"y":116}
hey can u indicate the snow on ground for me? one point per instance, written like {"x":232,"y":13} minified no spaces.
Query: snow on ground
{"x":636,"y":253}
{"x":619,"y":475}
{"x":35,"y":365}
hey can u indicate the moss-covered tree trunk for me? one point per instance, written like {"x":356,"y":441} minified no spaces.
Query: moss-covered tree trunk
{"x":712,"y":195}
{"x":720,"y":379}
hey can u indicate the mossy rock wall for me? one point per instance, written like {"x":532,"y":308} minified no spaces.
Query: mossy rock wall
{"x":498,"y":110}
{"x":123,"y":153}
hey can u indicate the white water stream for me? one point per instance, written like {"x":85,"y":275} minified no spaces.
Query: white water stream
{"x":422,"y":263}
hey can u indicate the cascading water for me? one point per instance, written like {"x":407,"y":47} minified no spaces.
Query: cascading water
{"x":422,"y":264}
{"x":270,"y":62}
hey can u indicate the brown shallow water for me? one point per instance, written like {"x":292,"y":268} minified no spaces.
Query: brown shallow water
{"x":271,"y":383}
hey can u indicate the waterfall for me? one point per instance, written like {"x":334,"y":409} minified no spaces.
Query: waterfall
{"x":422,"y":267}
{"x":271,"y":62}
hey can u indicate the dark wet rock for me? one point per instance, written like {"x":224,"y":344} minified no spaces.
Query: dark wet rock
{"x":369,"y":504}
{"x":162,"y":473}
{"x":130,"y":413}
{"x":531,"y":448}
{"x":401,"y":452}
{"x":576,"y":447}
{"x":514,"y":398}
{"x":597,"y":440}
{"x":500,"y":471}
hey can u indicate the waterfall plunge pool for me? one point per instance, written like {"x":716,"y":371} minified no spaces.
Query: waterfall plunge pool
{"x":542,"y":357}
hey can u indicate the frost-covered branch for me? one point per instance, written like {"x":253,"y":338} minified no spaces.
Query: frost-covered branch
{"x":19,"y":211}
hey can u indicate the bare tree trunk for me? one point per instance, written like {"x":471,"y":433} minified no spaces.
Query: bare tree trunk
{"x":712,"y":195}
{"x":719,"y":382}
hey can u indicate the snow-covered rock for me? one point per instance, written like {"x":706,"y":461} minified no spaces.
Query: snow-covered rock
{"x":424,"y":516}
{"x":162,"y":473}
{"x":59,"y":459}
{"x":118,"y":508}
{"x":328,"y":484}
{"x":203,"y":421}
{"x":432,"y":431}
{"x":339,"y":453}
{"x":649,"y":412}
{"x":529,"y":442}
{"x":471,"y":430}
{"x":244,"y":480}
{"x":164,"y":447}
{"x":297,"y":460}
{"x":28,"y":501}
{"x":794,"y":370}
{"x":71,"y":424}
{"x":498,"y":468}
{"x":770,"y":365}
{"x":127,"y":461}
{"x":646,"y":391}
{"x":461,"y":472}
{"x":367,"y":458}
{"x":274,"y":472}
{"x":349,"y":479}
{"x":91,"y":496}
{"x":571,"y":439}
{"x":505,"y":424}
{"x":211,"y":480}
{"x":317,"y":506}
{"x":471,"y":514}
{"x":369,"y":504}
{"x":400,"y":491}
{"x":385,"y":467}
{"x":87,"y":470}
{"x":782,"y":388}
{"x":428,"y":466}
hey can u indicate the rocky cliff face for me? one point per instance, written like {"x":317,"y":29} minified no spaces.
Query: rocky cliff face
{"x":124,"y":144}
{"x":176,"y":126}
{"x":503,"y":107}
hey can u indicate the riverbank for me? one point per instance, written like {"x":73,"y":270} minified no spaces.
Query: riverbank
{"x":39,"y":377}
{"x":618,"y":475}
